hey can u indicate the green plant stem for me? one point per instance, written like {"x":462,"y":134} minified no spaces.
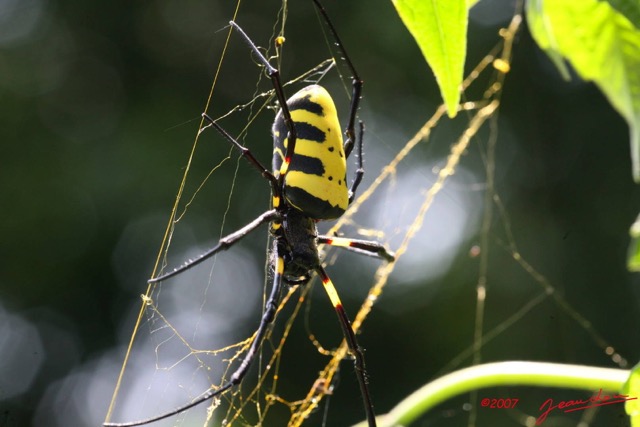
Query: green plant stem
{"x":502,"y":374}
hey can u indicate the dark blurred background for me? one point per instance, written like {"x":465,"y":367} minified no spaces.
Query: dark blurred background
{"x":100,"y":104}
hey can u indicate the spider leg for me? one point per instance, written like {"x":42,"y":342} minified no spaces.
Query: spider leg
{"x":364,"y":247}
{"x":246,"y":153}
{"x":274,"y":75}
{"x":352,"y":343}
{"x":356,"y":94}
{"x":356,"y":82}
{"x":268,"y":315}
{"x":222,"y":245}
{"x":360,"y":170}
{"x":267,"y":318}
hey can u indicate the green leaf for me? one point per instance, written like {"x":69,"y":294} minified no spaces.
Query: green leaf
{"x":540,"y":28}
{"x":632,"y":388}
{"x":440,"y":29}
{"x":633,"y":260}
{"x":602,"y":45}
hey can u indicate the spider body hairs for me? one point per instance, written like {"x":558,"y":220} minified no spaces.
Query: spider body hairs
{"x":308,"y":183}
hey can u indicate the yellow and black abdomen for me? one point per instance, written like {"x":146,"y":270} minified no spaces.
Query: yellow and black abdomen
{"x":315,"y":182}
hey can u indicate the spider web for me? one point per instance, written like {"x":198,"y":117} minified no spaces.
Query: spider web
{"x":194,"y":330}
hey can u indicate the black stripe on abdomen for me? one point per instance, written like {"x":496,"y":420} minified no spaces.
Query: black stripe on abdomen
{"x":306,"y":164}
{"x":303,"y":129}
{"x":305,"y":103}
{"x":309,"y":132}
{"x":310,"y":205}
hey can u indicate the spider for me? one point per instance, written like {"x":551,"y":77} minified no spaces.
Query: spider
{"x":308,"y":184}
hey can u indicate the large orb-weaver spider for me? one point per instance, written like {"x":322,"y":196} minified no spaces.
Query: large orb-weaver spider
{"x":308,"y":184}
